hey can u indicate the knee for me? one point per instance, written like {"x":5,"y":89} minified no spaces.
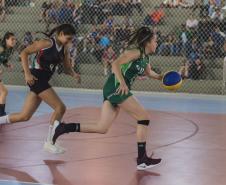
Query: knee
{"x":144,"y":119}
{"x":25,"y":117}
{"x":102,"y":130}
{"x":143,"y":115}
{"x":61,"y":109}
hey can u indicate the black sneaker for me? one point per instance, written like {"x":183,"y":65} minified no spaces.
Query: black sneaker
{"x":3,"y":114}
{"x":147,"y":162}
{"x":58,"y":130}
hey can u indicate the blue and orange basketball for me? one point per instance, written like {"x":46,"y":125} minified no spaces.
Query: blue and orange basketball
{"x":172,"y":80}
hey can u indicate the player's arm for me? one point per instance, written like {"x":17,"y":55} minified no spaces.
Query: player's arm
{"x":152,"y":74}
{"x":33,"y":48}
{"x":124,"y":58}
{"x":67,"y":65}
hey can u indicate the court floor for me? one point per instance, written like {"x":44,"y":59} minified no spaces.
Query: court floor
{"x":187,"y":131}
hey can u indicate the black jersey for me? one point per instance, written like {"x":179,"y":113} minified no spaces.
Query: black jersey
{"x":48,"y":58}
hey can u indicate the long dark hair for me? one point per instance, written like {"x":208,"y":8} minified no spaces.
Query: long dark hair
{"x":6,"y":37}
{"x":67,"y":29}
{"x":140,"y":37}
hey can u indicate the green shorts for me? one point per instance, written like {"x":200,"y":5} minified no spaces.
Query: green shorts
{"x":110,"y":94}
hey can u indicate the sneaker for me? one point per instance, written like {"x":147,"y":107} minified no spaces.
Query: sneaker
{"x":3,"y":114}
{"x":60,"y":147}
{"x":147,"y":162}
{"x":54,"y":149}
{"x":58,"y":129}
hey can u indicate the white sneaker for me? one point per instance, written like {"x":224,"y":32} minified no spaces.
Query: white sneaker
{"x":60,"y":147}
{"x":54,"y":149}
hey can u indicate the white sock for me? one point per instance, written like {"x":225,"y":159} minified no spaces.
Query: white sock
{"x":49,"y":136}
{"x":50,"y":131}
{"x":4,"y":120}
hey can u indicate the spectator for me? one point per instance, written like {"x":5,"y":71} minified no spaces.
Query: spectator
{"x":192,"y":22}
{"x":28,"y":39}
{"x":212,"y":6}
{"x":52,"y":16}
{"x":194,"y":70}
{"x":218,"y":41}
{"x":176,"y":45}
{"x":166,"y":48}
{"x":208,"y":49}
{"x":108,"y":57}
{"x":99,"y":15}
{"x":186,"y":3}
{"x":109,"y":24}
{"x":122,"y":32}
{"x":128,"y":8}
{"x":205,"y":27}
{"x":193,"y":49}
{"x":2,"y":11}
{"x":73,"y":50}
{"x":127,"y":21}
{"x":137,"y":4}
{"x":45,"y":7}
{"x":204,"y":10}
{"x":155,"y":17}
{"x":217,"y":15}
{"x":103,"y":43}
{"x":91,"y":40}
{"x":65,"y":14}
{"x":171,"y":3}
{"x":184,"y":70}
{"x":93,"y":35}
{"x":184,"y":35}
{"x":77,"y":15}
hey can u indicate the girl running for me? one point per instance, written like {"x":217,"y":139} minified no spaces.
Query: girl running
{"x":50,"y":53}
{"x":117,"y":95}
{"x":6,"y":50}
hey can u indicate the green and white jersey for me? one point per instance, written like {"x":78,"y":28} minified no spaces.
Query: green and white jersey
{"x":5,"y":54}
{"x":133,"y":69}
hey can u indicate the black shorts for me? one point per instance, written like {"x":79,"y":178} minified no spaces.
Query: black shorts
{"x":42,"y":83}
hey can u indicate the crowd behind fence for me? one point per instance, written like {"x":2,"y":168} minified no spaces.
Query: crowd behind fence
{"x":191,"y":37}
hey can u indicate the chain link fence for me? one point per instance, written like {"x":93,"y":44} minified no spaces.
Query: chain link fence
{"x":191,"y":37}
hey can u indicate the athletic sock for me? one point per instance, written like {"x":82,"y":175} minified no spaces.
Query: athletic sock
{"x":141,"y":149}
{"x":72,"y":127}
{"x":2,"y":109}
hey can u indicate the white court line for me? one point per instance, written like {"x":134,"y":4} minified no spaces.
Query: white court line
{"x":20,"y":182}
{"x":141,"y":93}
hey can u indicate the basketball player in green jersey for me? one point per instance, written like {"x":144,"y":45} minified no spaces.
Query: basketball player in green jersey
{"x":117,"y":95}
{"x":6,"y":50}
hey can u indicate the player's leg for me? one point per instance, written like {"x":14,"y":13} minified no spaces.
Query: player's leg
{"x":137,"y":111}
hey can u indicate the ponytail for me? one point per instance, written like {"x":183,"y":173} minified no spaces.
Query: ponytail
{"x":67,"y":29}
{"x":140,"y":37}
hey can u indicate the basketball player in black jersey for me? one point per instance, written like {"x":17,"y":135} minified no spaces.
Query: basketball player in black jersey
{"x":50,"y":53}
